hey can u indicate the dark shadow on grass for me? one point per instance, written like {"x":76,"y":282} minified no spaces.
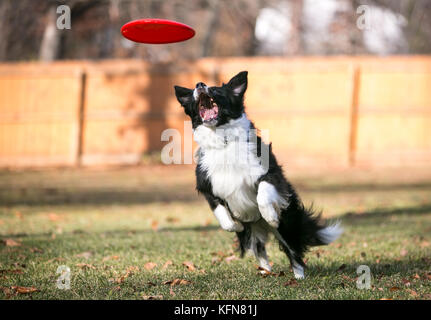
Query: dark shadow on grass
{"x":96,"y":196}
{"x":122,"y":232}
{"x":381,"y":213}
{"x":367,"y":187}
{"x":404,"y":266}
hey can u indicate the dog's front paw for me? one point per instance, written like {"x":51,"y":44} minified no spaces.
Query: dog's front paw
{"x":226,"y":221}
{"x":235,"y":227}
{"x":270,"y":203}
{"x":270,"y":215}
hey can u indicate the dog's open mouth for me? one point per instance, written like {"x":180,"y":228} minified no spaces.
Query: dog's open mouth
{"x":208,"y":109}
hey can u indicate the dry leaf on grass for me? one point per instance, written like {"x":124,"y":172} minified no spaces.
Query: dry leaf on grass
{"x":219,"y":253}
{"x":132,"y":270}
{"x":119,"y":280}
{"x":172,"y":220}
{"x":412,"y":292}
{"x":110,"y":258}
{"x":406,"y":282}
{"x":231,"y":258}
{"x":158,"y":297}
{"x":155,"y":225}
{"x":150,"y":265}
{"x":424,"y":244}
{"x":291,"y":283}
{"x":19,"y":265}
{"x":342,"y":267}
{"x":347,"y":278}
{"x":403,"y":252}
{"x":189,"y":265}
{"x":11,"y":271}
{"x":86,"y":255}
{"x":6,"y":291}
{"x":171,"y":292}
{"x":177,"y":282}
{"x":85,"y":266}
{"x":129,"y":271}
{"x":24,"y":290}
{"x":11,"y":243}
{"x":36,"y":250}
{"x":55,"y":259}
{"x":53,"y":217}
{"x":265,"y":273}
{"x":394,"y":289}
{"x":167,"y":264}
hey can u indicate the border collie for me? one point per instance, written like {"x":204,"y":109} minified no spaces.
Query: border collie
{"x":247,"y":195}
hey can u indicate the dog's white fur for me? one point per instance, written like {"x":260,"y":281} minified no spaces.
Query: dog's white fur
{"x":331,"y":233}
{"x":233,"y":167}
{"x":225,"y":220}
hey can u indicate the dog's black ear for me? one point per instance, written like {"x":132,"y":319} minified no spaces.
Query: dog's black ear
{"x":238,"y":84}
{"x":184,"y":95}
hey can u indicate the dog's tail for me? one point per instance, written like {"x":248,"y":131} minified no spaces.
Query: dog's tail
{"x":301,"y":228}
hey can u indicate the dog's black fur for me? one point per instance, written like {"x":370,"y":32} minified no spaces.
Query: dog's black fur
{"x":298,"y":226}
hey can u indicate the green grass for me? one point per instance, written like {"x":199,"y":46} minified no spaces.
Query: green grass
{"x":115,"y":219}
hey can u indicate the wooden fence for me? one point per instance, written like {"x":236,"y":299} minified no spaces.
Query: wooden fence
{"x":335,"y":111}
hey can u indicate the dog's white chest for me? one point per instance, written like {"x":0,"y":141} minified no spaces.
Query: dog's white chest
{"x":232,"y":167}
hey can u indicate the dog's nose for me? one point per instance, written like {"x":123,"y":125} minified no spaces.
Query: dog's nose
{"x":200,"y":85}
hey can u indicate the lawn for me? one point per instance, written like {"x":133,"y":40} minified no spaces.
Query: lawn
{"x":143,"y":232}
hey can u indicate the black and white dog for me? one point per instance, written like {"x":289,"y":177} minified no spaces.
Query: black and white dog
{"x":247,"y":195}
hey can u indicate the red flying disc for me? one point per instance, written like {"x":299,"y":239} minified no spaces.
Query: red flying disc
{"x":157,"y":31}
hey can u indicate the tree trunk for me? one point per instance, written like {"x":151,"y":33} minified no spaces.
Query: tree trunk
{"x":212,"y":29}
{"x":50,"y":45}
{"x":4,"y":29}
{"x":294,"y":44}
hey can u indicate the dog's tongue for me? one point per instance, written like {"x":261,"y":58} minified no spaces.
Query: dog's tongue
{"x":209,"y":114}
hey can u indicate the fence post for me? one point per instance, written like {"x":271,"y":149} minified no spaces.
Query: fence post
{"x":356,"y":78}
{"x":81,"y":117}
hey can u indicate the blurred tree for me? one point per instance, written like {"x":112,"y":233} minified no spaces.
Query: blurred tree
{"x":418,"y":26}
{"x":50,"y":46}
{"x":224,"y":28}
{"x":294,"y":45}
{"x":212,"y":27}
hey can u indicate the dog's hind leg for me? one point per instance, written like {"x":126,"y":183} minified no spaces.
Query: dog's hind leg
{"x":253,"y":238}
{"x":260,"y":254}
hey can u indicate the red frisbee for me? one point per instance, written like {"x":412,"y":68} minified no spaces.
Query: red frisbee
{"x":157,"y":31}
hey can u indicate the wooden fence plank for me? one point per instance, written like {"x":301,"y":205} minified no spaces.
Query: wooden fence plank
{"x":320,"y":111}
